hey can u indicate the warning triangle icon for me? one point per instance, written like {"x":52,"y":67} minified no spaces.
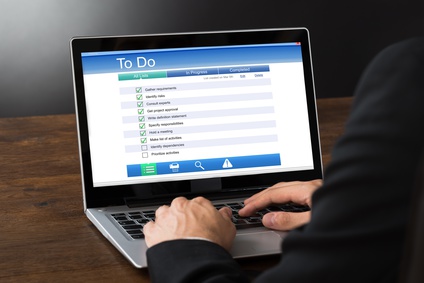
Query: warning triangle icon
{"x":227,"y":164}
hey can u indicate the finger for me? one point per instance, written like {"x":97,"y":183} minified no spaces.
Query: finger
{"x":297,"y":192}
{"x":202,"y":201}
{"x":147,"y":230}
{"x":285,"y":220}
{"x":178,"y":201}
{"x":147,"y":227}
{"x":294,"y":186}
{"x":278,"y":193}
{"x":261,"y":193}
{"x":178,"y":204}
{"x":161,"y":209}
{"x":274,"y":192}
{"x":226,"y":212}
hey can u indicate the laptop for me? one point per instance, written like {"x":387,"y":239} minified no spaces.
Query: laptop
{"x":221,"y":114}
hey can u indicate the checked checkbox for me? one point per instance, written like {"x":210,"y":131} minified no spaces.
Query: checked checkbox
{"x":143,"y":140}
{"x":141,"y":119}
{"x":140,"y":111}
{"x":142,"y":126}
{"x":140,"y":104}
{"x":139,"y":97}
{"x":138,"y":89}
{"x":142,"y":133}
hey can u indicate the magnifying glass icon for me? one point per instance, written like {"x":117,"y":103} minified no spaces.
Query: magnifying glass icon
{"x":198,"y":164}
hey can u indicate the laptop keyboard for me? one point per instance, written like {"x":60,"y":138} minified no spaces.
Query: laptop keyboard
{"x":132,"y":222}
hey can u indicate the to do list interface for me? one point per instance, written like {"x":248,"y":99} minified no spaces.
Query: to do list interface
{"x":175,"y":114}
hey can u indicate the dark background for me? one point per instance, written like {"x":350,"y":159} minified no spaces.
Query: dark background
{"x":35,"y":69}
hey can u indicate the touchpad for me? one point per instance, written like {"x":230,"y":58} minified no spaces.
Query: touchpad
{"x":258,"y":243}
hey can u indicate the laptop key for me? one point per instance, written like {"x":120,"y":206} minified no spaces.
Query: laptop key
{"x":134,"y":232}
{"x":138,"y":236}
{"x":120,"y":218}
{"x":143,"y":221}
{"x":127,"y":222}
{"x":136,"y":217}
{"x":118,"y":214}
{"x":132,"y":227}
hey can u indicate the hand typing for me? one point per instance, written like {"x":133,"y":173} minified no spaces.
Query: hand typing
{"x":297,"y":192}
{"x":191,"y":218}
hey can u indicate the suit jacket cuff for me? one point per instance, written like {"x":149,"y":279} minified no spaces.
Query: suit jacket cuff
{"x":192,"y":260}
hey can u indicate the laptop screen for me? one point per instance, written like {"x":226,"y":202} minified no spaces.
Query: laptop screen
{"x":174,"y":110}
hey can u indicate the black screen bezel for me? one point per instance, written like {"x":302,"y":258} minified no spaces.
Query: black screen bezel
{"x":118,"y":195}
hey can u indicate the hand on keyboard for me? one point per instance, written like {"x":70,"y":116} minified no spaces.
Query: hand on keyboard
{"x":299,"y":193}
{"x":196,"y":218}
{"x":255,"y":220}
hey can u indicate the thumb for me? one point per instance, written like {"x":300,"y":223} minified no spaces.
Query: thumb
{"x":285,"y":220}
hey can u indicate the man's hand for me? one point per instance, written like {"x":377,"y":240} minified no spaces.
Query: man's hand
{"x":196,"y":218}
{"x":297,"y":192}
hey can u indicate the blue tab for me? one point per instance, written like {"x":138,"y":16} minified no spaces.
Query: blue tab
{"x":244,"y":69}
{"x":193,"y":72}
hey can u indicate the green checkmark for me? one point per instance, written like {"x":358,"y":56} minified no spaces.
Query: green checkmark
{"x":138,"y":89}
{"x":141,"y":119}
{"x":142,"y":133}
{"x":142,"y":126}
{"x":140,"y":111}
{"x":140,"y":104}
{"x":143,"y":140}
{"x":139,"y":96}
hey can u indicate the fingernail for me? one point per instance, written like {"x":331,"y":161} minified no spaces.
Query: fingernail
{"x":268,"y":220}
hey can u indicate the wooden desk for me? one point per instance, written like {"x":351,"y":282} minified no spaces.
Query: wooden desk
{"x":44,"y":235}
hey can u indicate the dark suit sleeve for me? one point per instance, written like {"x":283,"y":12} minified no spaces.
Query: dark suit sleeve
{"x":192,"y":261}
{"x":358,"y":219}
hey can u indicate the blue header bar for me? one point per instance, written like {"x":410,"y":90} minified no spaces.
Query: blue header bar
{"x":153,"y":60}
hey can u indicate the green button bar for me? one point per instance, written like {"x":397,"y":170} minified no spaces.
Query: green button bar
{"x":144,"y":76}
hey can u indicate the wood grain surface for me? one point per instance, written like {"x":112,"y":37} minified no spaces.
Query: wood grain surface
{"x":44,"y":235}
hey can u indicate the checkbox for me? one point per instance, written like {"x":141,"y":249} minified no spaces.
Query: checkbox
{"x":144,"y":147}
{"x":145,"y":155}
{"x":142,"y":126}
{"x":143,"y":140}
{"x":138,"y":89}
{"x":141,"y":118}
{"x":140,"y":111}
{"x":139,"y":97}
{"x":143,"y":133}
{"x":139,"y":103}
